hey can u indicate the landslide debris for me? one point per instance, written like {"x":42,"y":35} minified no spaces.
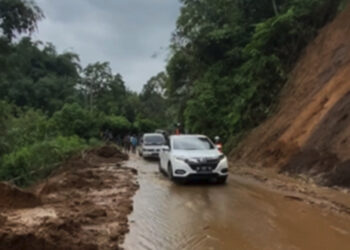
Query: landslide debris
{"x":109,"y":152}
{"x":12,"y":197}
{"x":84,"y":205}
{"x":310,"y":132}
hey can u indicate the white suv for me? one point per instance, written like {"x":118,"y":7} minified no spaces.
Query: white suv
{"x":193,"y":157}
{"x":151,"y":144}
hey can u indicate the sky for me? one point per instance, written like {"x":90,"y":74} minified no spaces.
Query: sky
{"x":133,"y":35}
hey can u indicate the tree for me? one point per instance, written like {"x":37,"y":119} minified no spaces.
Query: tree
{"x":38,"y":77}
{"x":18,"y":16}
{"x":230,"y":59}
{"x":97,"y":78}
{"x":152,"y":98}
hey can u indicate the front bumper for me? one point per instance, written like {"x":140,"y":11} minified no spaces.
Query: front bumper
{"x":181,"y":170}
{"x":150,"y":154}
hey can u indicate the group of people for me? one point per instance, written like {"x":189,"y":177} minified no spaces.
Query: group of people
{"x":130,"y":142}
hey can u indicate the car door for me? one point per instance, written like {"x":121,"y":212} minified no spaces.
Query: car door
{"x":164,"y":156}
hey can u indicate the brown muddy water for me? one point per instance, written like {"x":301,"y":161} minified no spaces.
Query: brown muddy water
{"x":243,"y":214}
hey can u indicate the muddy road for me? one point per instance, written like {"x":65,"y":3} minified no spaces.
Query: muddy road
{"x":244,"y":214}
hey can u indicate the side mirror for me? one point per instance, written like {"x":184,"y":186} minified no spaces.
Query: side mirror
{"x":166,"y":148}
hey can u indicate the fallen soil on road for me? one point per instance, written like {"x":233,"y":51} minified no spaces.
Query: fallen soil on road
{"x":83,"y":205}
{"x":302,"y":189}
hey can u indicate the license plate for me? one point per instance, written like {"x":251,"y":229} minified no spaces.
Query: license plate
{"x":204,"y":169}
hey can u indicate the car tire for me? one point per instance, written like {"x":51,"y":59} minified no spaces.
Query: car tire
{"x":221,"y":180}
{"x":160,"y":168}
{"x":170,"y":172}
{"x":140,"y":154}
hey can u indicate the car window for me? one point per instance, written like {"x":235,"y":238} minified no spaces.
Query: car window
{"x":192,"y":143}
{"x":154,"y":140}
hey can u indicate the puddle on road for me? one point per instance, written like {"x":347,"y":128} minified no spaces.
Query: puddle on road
{"x":241,"y":215}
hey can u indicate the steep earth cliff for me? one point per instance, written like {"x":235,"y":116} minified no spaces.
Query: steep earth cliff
{"x":310,"y":131}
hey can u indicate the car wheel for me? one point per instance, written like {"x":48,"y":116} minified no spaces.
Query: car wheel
{"x":170,"y":172}
{"x":221,"y":180}
{"x":140,"y":154}
{"x":160,"y":168}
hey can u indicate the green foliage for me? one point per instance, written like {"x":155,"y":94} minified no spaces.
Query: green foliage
{"x":4,"y":125}
{"x":51,"y":107}
{"x":72,"y":119}
{"x":153,"y":103}
{"x":38,"y":78}
{"x":118,"y":125}
{"x":35,"y":161}
{"x":146,"y":125}
{"x":232,"y":57}
{"x":229,"y":61}
{"x":18,"y":16}
{"x":27,"y":128}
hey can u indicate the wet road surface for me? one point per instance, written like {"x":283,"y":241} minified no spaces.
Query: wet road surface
{"x":240,"y":215}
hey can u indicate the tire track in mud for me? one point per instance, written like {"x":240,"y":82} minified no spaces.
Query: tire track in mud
{"x":244,"y":214}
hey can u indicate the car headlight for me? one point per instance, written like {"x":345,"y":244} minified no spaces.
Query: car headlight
{"x":181,"y":158}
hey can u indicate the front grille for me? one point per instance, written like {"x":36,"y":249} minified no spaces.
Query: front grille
{"x":205,"y":165}
{"x":151,"y":150}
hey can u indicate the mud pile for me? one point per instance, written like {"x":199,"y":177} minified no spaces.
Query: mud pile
{"x":13,"y":197}
{"x":109,"y":152}
{"x":84,"y":205}
{"x":310,"y":132}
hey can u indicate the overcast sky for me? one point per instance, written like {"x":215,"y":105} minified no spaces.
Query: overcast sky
{"x":133,"y":35}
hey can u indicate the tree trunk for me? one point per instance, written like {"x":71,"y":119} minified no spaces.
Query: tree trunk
{"x":275,"y":8}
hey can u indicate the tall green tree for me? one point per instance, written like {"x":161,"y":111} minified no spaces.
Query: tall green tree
{"x":230,"y":59}
{"x":38,"y":77}
{"x":18,"y":16}
{"x":152,"y":98}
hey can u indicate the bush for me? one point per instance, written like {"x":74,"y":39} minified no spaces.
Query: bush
{"x":4,"y":125}
{"x":33,"y":162}
{"x":72,"y":119}
{"x":27,"y":128}
{"x":145,"y":126}
{"x":118,"y":125}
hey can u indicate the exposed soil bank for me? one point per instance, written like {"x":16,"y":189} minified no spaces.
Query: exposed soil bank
{"x":84,"y":205}
{"x":310,"y":132}
{"x":302,"y":189}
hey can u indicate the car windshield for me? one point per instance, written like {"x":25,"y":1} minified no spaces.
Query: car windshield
{"x":154,"y":140}
{"x":192,"y":143}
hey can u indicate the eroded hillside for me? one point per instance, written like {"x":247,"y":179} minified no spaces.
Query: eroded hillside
{"x":310,"y":131}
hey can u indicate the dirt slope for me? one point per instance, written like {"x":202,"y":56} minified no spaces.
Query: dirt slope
{"x":84,"y":205}
{"x":310,"y":132}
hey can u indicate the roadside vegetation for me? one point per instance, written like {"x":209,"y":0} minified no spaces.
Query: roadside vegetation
{"x":231,"y":58}
{"x":51,"y":107}
{"x":228,"y":61}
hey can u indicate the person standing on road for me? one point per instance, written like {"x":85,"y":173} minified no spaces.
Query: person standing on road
{"x":133,"y":141}
{"x":218,"y":143}
{"x":126,"y":142}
